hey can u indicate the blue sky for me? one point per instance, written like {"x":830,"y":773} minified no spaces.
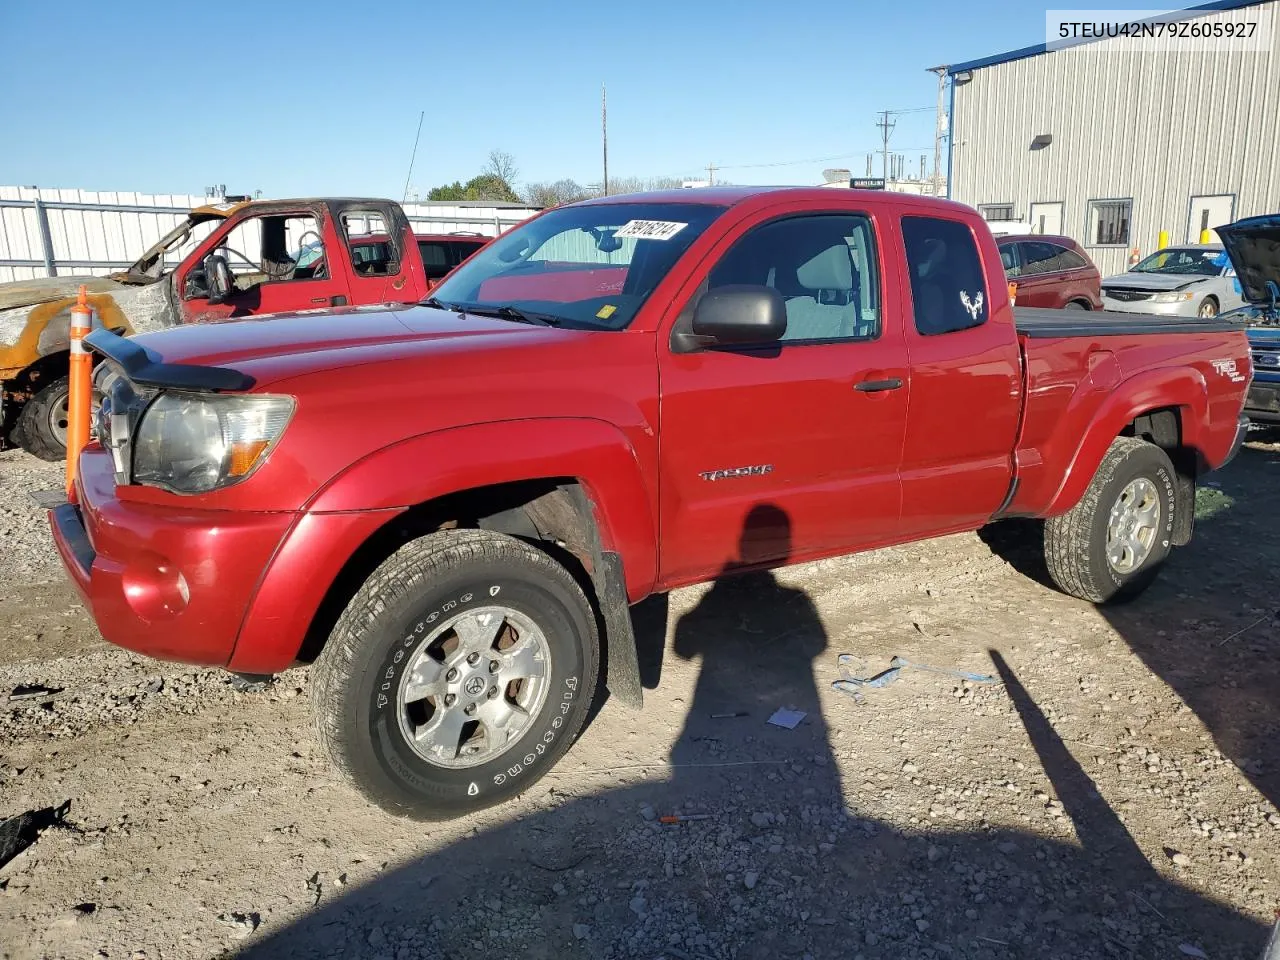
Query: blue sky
{"x":323,"y":97}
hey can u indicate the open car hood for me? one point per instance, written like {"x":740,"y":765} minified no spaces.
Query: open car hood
{"x":1254,"y":247}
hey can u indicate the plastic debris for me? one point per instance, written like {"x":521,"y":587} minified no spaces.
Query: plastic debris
{"x":788,"y":719}
{"x":1189,"y":950}
{"x":683,"y":817}
{"x":33,"y":691}
{"x":852,"y":685}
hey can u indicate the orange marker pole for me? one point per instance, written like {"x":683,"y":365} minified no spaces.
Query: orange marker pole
{"x":1013,"y":294}
{"x":80,"y":386}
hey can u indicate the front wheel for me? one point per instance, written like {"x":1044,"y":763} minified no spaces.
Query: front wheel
{"x":1111,"y":544}
{"x":459,"y":673}
{"x":41,"y":429}
{"x":1208,"y":308}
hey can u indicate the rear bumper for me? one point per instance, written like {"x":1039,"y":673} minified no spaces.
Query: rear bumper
{"x":1262,"y":405}
{"x":1242,"y":430}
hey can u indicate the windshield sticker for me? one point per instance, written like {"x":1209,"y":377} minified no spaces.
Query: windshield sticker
{"x":650,"y":229}
{"x":607,"y":311}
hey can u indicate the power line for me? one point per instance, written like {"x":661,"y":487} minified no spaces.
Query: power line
{"x":795,"y":163}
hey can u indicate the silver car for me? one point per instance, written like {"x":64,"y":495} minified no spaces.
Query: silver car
{"x":1190,"y":281}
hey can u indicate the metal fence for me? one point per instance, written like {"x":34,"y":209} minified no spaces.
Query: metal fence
{"x":51,"y":232}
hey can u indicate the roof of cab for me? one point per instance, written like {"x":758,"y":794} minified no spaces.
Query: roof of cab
{"x":729,"y":196}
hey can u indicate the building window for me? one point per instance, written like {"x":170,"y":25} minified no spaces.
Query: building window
{"x":1109,"y":222}
{"x":996,"y":211}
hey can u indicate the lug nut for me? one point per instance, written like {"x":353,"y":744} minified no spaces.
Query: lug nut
{"x":473,"y":659}
{"x":451,"y":676}
{"x":493,"y":692}
{"x":450,"y":699}
{"x":469,"y":709}
{"x":493,"y":666}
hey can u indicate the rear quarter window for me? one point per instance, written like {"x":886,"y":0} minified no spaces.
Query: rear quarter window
{"x":948,"y":286}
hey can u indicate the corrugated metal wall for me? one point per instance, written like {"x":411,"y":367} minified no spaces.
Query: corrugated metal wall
{"x":1157,"y":127}
{"x":97,"y":241}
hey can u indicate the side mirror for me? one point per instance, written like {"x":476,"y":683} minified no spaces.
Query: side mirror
{"x":217,"y":278}
{"x":740,"y":314}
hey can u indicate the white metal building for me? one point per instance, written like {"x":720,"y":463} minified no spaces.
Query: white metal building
{"x":1112,"y":141}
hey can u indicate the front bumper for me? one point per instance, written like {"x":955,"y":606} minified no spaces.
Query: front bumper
{"x":1262,"y":405}
{"x":229,"y":588}
{"x":1180,"y":308}
{"x":172,"y":584}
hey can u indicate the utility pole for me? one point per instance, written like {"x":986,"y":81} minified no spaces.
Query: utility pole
{"x":886,"y":127}
{"x":604,"y":135}
{"x":939,"y":130}
{"x":711,"y":174}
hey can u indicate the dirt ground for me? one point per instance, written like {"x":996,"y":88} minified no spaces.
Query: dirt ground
{"x":1112,"y":794}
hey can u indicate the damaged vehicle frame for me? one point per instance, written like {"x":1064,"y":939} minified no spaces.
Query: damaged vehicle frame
{"x":221,"y":262}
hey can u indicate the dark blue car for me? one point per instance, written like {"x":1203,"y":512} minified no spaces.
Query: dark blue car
{"x":1254,"y":247}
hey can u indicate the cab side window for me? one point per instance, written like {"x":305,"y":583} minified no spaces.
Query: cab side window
{"x":824,"y":266}
{"x":948,"y":287}
{"x":272,"y":249}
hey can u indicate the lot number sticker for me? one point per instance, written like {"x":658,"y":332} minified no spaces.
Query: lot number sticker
{"x":650,"y":229}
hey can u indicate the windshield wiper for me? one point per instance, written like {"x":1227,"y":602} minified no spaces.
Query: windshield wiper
{"x":437,"y":303}
{"x":508,"y":312}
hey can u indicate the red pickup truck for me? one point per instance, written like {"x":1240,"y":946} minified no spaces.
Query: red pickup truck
{"x":448,"y":508}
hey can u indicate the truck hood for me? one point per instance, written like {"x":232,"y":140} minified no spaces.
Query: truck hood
{"x":1155,"y":282}
{"x":272,"y":347}
{"x":1253,"y":245}
{"x":27,"y":293}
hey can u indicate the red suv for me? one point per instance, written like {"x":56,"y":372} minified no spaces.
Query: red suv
{"x":1051,"y":272}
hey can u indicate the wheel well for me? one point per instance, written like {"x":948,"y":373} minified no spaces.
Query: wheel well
{"x":1085,"y":304}
{"x":39,"y":375}
{"x":1164,"y":429}
{"x":553,"y":514}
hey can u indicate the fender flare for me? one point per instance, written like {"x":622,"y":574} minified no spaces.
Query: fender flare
{"x":1182,"y":388}
{"x":595,"y":453}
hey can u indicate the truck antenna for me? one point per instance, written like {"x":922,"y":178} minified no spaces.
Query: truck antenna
{"x":412,"y":157}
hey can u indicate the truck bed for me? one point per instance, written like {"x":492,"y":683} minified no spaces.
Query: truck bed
{"x":1043,"y":323}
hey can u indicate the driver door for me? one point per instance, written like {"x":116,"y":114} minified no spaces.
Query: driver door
{"x":279,"y":261}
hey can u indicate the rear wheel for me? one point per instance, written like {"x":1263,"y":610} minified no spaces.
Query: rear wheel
{"x":1208,"y":308}
{"x":460,"y":673}
{"x":1111,"y":544}
{"x":1075,"y":305}
{"x":41,"y":429}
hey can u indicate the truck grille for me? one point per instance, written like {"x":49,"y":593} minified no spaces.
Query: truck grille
{"x":1127,"y":296}
{"x":1266,"y":359}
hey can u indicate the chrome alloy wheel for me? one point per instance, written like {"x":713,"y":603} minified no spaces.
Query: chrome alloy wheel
{"x":473,"y":686}
{"x":1132,"y":526}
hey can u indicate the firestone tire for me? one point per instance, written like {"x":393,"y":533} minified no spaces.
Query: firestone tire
{"x":364,"y":678}
{"x":1086,"y":549}
{"x":35,"y":431}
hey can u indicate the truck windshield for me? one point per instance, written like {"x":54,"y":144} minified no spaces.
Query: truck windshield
{"x":1200,"y":262}
{"x":590,"y":267}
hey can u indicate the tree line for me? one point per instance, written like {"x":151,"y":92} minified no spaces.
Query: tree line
{"x":497,"y":181}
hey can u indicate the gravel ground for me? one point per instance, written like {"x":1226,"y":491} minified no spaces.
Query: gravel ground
{"x":1111,"y":795}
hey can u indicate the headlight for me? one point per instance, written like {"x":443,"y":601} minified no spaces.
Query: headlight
{"x":1173,"y":296}
{"x":194,"y":442}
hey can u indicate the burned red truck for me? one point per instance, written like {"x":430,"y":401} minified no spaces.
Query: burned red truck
{"x":229,"y":260}
{"x":448,"y":508}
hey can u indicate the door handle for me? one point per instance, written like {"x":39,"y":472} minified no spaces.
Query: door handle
{"x":877,"y":386}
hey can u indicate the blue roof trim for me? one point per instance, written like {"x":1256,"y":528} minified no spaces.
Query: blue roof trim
{"x":1039,"y":48}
